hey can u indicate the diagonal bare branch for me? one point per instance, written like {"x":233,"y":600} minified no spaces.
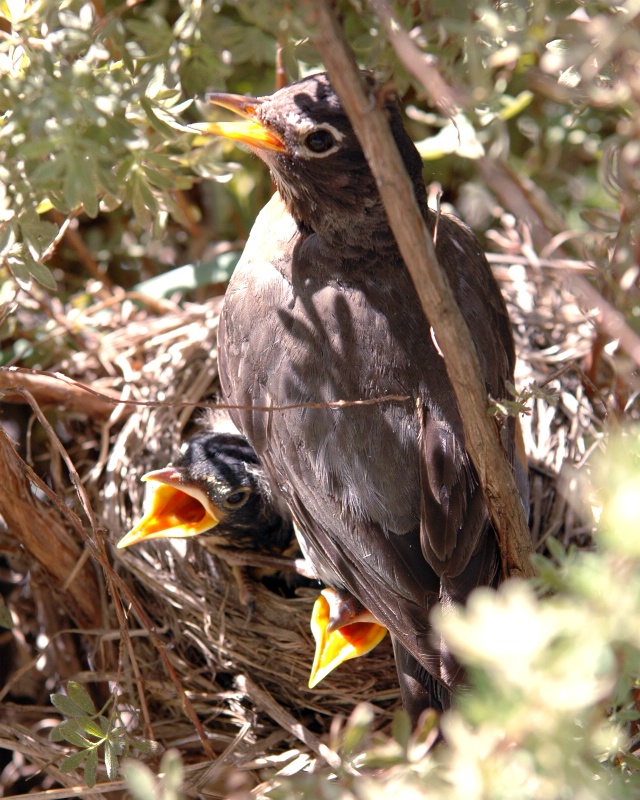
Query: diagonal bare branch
{"x":433,"y":290}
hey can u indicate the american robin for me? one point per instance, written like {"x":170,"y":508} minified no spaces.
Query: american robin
{"x":321,"y":308}
{"x":217,"y":488}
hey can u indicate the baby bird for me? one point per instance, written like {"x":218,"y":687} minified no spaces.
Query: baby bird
{"x":217,"y":487}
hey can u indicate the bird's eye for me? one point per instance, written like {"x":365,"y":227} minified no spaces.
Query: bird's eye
{"x":237,"y":499}
{"x":320,"y":141}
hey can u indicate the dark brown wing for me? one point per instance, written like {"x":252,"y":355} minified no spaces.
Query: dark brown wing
{"x":455,"y":529}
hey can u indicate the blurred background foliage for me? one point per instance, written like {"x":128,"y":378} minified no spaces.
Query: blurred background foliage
{"x":95,"y":97}
{"x":101,"y":186}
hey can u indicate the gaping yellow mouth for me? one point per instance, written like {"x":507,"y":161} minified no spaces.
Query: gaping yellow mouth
{"x":334,"y":647}
{"x":176,"y":511}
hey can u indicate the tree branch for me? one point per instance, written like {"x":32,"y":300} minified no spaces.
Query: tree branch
{"x":436,"y":297}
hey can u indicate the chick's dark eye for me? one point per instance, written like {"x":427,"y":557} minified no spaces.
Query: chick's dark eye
{"x":237,"y":499}
{"x":320,"y":141}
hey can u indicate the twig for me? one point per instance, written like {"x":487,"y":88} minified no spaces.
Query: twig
{"x":77,"y":243}
{"x":546,"y":263}
{"x":103,"y":22}
{"x":51,"y":389}
{"x":435,"y":294}
{"x":73,"y":473}
{"x":7,"y":378}
{"x":53,"y":245}
{"x":608,"y":319}
{"x":514,"y":198}
{"x":444,"y":97}
{"x":42,"y":533}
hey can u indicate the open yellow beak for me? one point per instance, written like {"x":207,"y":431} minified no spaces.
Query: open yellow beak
{"x":175,"y":510}
{"x":251,"y":131}
{"x":337,"y":645}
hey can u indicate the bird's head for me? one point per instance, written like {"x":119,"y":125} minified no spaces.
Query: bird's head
{"x":217,"y":485}
{"x":304,"y":135}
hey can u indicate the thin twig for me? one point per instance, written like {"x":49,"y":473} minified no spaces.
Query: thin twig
{"x":119,"y":401}
{"x":82,"y":251}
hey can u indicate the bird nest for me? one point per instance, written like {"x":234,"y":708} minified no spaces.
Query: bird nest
{"x":160,"y":628}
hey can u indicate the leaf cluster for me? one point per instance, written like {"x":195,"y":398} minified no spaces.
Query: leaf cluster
{"x":92,"y":732}
{"x":95,"y":104}
{"x":92,"y":116}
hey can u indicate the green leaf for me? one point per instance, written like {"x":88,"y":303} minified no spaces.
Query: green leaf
{"x":164,"y":180}
{"x":20,"y":272}
{"x":156,"y":123}
{"x":147,"y":746}
{"x":401,"y":728}
{"x":630,"y":715}
{"x":173,"y":769}
{"x":110,"y":760}
{"x":74,"y":762}
{"x":68,"y":707}
{"x":190,"y":276}
{"x":91,"y":727}
{"x":85,"y":184}
{"x":157,"y":81}
{"x":357,"y":728}
{"x":165,"y":122}
{"x":512,"y":106}
{"x":427,"y":729}
{"x":6,"y":620}
{"x":91,"y":768}
{"x":80,"y":697}
{"x":140,"y":780}
{"x":556,"y":549}
{"x":631,"y":761}
{"x":56,"y":735}
{"x":69,"y":731}
{"x":142,"y":200}
{"x":41,"y":274}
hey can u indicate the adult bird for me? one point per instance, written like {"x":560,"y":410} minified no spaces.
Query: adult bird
{"x":321,"y":308}
{"x":217,"y":490}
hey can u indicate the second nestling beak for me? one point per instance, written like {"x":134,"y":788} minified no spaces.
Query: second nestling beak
{"x":176,"y":510}
{"x":342,"y":630}
{"x":251,"y":131}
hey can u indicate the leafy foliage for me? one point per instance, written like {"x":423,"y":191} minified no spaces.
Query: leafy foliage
{"x":95,"y":105}
{"x":144,"y":784}
{"x":90,"y":730}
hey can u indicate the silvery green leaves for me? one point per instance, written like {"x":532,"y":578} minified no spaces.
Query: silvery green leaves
{"x":94,"y":733}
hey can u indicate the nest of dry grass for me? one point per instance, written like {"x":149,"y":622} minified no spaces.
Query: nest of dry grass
{"x":161,"y":626}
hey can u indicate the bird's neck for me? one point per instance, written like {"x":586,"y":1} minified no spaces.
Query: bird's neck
{"x":367,"y":230}
{"x":358,"y":231}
